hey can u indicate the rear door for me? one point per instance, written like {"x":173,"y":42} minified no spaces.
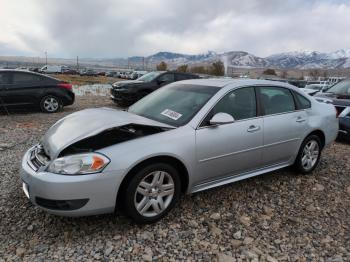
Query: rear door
{"x":25,"y":88}
{"x":284,"y":124}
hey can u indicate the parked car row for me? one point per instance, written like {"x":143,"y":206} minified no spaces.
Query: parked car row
{"x":19,"y":88}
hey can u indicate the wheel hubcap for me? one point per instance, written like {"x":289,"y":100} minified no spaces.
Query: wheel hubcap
{"x":51,"y":104}
{"x":154,"y":193}
{"x":310,"y":155}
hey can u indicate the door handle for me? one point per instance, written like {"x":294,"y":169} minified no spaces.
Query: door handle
{"x":253,"y":128}
{"x":300,"y":119}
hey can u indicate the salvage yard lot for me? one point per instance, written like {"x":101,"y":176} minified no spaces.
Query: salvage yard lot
{"x":281,"y":215}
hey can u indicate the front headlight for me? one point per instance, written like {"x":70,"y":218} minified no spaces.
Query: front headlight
{"x":79,"y":164}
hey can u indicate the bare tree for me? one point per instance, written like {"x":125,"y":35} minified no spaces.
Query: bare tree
{"x":162,"y":66}
{"x":269,"y":71}
{"x":182,"y":68}
{"x":198,"y":70}
{"x":217,"y":68}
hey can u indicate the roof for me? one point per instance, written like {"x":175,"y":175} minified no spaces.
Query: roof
{"x":222,"y":82}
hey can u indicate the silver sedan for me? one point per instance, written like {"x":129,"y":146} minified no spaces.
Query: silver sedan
{"x":183,"y":138}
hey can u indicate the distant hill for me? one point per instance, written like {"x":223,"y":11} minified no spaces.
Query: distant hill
{"x":339,"y":59}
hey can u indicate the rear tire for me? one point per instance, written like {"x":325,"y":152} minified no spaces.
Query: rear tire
{"x":151,"y":193}
{"x":50,"y":104}
{"x":309,"y":155}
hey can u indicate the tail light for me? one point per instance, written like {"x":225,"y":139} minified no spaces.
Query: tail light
{"x":65,"y":86}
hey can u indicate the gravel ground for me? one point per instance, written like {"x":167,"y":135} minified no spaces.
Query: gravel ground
{"x":281,"y":216}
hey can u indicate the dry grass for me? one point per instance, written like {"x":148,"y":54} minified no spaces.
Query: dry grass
{"x":86,"y":80}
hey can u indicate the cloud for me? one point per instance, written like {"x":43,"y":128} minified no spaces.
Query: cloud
{"x":110,"y":28}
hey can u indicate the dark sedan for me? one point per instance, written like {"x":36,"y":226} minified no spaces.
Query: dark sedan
{"x":339,"y":96}
{"x":24,"y":88}
{"x":125,"y":93}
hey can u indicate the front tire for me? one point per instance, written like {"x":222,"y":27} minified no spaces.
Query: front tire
{"x":50,"y":104}
{"x":151,"y":193}
{"x":309,"y":154}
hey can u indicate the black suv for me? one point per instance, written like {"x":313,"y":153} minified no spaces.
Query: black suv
{"x":125,"y":93}
{"x":339,"y":96}
{"x":24,"y":88}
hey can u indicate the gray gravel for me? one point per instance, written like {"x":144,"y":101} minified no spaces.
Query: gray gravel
{"x":280,"y":216}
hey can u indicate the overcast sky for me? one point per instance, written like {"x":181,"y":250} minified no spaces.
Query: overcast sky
{"x":112,"y":28}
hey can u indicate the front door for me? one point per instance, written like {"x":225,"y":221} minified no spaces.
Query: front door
{"x":230,"y":149}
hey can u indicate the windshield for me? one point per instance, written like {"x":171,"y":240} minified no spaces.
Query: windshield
{"x":174,"y":104}
{"x":342,"y":87}
{"x":149,"y":77}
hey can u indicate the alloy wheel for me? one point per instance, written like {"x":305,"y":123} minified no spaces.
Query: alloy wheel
{"x":51,"y":104}
{"x":154,"y":193}
{"x":310,"y":155}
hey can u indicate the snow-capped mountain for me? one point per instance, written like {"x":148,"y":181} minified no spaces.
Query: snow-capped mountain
{"x":310,"y":59}
{"x":241,"y":59}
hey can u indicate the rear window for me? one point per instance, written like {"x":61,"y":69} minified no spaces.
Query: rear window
{"x":302,"y":102}
{"x":276,"y":100}
{"x":20,"y":78}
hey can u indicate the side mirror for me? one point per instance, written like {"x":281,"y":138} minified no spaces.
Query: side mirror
{"x":221,"y":119}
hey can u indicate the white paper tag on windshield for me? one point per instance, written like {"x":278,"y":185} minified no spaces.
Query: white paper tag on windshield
{"x":171,"y":114}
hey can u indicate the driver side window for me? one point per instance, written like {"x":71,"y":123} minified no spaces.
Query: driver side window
{"x":240,"y":104}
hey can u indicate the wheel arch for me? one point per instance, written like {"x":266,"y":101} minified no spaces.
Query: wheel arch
{"x":320,"y":134}
{"x":173,"y":161}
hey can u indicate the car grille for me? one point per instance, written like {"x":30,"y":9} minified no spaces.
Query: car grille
{"x":38,"y":158}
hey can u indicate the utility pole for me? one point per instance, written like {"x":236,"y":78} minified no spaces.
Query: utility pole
{"x":77,"y":63}
{"x":46,"y":57}
{"x":143,"y":63}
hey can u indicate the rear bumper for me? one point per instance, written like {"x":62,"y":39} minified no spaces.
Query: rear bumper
{"x":69,"y":99}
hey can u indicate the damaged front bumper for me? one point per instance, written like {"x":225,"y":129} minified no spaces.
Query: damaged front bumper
{"x":70,"y":195}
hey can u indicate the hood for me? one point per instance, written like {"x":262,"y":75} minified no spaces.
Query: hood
{"x":336,"y":99}
{"x":87,"y":123}
{"x":126,"y":83}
